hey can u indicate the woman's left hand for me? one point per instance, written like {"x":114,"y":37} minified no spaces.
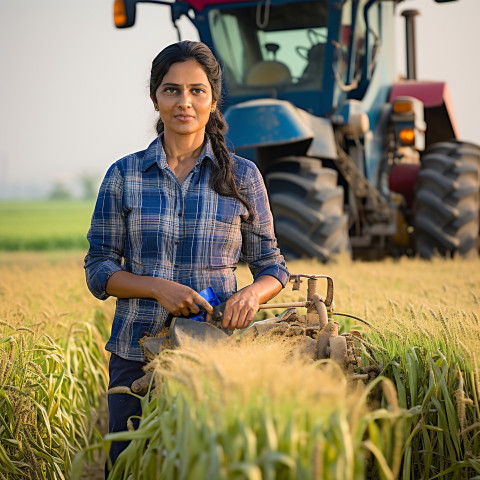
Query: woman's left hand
{"x":242,"y":306}
{"x":240,"y":309}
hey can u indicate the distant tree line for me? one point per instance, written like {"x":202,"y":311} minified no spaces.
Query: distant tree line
{"x":89,"y":188}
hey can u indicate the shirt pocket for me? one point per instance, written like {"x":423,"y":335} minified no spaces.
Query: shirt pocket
{"x":226,"y":237}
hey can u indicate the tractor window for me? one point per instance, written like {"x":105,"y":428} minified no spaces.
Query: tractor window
{"x":352,"y":55}
{"x":293,"y":47}
{"x":228,"y":44}
{"x":374,"y":39}
{"x":283,"y":48}
{"x":361,"y":35}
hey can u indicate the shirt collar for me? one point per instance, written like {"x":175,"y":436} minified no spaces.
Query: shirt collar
{"x":156,"y":154}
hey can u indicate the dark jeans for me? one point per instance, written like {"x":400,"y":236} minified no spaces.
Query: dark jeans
{"x":121,"y":406}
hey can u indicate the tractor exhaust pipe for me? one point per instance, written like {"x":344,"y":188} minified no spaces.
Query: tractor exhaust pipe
{"x":411,"y":41}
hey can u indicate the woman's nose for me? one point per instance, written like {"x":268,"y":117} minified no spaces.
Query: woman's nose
{"x":185,"y":100}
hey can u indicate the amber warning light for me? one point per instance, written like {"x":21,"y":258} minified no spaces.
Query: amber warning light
{"x":119,"y":13}
{"x":402,"y":107}
{"x":407,"y":136}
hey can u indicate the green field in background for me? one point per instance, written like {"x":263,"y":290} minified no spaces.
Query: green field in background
{"x":45,"y":224}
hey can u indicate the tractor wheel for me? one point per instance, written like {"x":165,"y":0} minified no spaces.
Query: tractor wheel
{"x":307,"y":206}
{"x":446,"y":210}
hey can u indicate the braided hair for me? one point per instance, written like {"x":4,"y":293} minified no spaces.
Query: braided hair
{"x":222,"y":180}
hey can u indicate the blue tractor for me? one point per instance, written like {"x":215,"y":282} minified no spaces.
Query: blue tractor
{"x":354,"y":158}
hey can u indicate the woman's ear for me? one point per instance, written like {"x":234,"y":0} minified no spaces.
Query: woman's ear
{"x":154,"y":102}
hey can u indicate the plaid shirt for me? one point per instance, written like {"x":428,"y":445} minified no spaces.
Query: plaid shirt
{"x":146,"y":223}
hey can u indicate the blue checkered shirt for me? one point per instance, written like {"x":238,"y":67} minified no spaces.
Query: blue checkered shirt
{"x":146,"y":223}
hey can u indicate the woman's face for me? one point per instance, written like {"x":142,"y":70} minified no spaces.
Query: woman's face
{"x":184,"y":99}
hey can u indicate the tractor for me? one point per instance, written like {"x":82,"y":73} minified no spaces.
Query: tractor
{"x":354,"y":158}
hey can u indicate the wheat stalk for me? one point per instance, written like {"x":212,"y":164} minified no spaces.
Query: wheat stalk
{"x":9,"y":325}
{"x":460,"y":403}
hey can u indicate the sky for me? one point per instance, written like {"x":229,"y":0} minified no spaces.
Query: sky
{"x":74,"y":89}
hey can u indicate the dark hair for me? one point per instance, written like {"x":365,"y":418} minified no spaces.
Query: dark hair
{"x":222,"y":180}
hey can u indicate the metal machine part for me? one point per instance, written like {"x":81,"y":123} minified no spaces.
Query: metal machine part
{"x":314,"y":335}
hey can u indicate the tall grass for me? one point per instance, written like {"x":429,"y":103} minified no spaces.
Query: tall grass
{"x":435,"y":369}
{"x":247,"y":414}
{"x":257,"y":412}
{"x":49,"y":396}
{"x":53,"y":367}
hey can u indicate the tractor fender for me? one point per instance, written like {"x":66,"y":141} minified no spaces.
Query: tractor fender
{"x":435,"y":96}
{"x":271,"y":122}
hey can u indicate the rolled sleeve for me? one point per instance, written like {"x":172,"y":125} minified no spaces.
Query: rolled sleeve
{"x":97,"y":275}
{"x":259,"y":245}
{"x":106,"y":235}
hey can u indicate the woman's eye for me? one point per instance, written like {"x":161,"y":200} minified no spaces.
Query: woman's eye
{"x":198,"y":91}
{"x":170,"y":90}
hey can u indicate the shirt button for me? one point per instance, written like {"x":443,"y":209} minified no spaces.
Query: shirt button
{"x":177,"y":242}
{"x":180,"y":214}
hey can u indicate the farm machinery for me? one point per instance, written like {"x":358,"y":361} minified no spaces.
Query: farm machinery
{"x":354,"y":158}
{"x":313,"y":335}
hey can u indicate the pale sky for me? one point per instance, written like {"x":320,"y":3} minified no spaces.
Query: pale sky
{"x":74,"y":90}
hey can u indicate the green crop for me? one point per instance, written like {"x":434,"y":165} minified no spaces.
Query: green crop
{"x":272,"y":417}
{"x":239,"y":418}
{"x":44,"y":225}
{"x":49,"y":396}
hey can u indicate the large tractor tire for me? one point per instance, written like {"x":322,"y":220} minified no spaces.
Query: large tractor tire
{"x":308,"y":210}
{"x":446,"y":210}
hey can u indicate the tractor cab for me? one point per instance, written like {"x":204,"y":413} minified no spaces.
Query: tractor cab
{"x":271,"y":51}
{"x":304,"y":52}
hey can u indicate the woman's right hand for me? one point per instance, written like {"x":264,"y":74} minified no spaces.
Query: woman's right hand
{"x":179,"y":299}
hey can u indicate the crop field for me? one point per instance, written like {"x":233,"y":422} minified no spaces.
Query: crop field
{"x":253,"y":410}
{"x":44,"y":225}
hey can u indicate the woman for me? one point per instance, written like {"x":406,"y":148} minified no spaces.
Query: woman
{"x":176,"y":218}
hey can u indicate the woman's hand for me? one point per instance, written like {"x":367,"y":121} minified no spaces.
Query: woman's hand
{"x":179,"y":299}
{"x":242,"y":306}
{"x":240,"y":309}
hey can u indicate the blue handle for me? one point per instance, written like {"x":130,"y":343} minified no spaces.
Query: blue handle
{"x":209,"y":295}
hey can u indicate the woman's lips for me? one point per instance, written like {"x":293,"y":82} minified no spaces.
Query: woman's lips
{"x":184,"y":118}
